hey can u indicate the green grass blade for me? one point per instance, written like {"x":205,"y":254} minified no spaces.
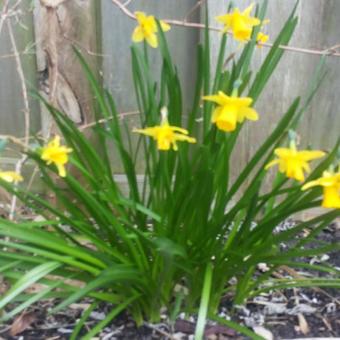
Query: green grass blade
{"x":27,"y":280}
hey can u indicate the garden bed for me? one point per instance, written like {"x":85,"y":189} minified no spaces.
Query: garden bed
{"x":287,"y":314}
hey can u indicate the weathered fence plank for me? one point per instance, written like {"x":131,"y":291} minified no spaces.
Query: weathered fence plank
{"x":116,"y":41}
{"x":57,"y":30}
{"x":11,"y":97}
{"x":316,"y":29}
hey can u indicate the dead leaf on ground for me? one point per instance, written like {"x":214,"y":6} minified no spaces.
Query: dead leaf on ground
{"x":188,"y":327}
{"x":22,"y":322}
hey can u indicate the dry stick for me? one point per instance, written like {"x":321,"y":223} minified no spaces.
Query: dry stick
{"x":26,"y":110}
{"x":127,"y":2}
{"x":104,"y":120}
{"x":19,"y":142}
{"x":296,"y":275}
{"x":8,"y":12}
{"x":156,"y":329}
{"x":14,"y":140}
{"x":79,"y":45}
{"x":198,"y":4}
{"x":28,"y":50}
{"x":328,"y":52}
{"x":3,"y":14}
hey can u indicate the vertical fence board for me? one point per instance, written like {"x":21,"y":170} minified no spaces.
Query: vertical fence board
{"x":317,"y":29}
{"x":117,"y":30}
{"x":58,"y":30}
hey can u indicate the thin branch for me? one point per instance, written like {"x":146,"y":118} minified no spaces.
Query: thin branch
{"x":158,"y":330}
{"x":127,"y":2}
{"x":193,"y":9}
{"x":328,"y":52}
{"x":8,"y":12}
{"x":3,"y":14}
{"x":104,"y":120}
{"x":82,"y":47}
{"x":17,"y":141}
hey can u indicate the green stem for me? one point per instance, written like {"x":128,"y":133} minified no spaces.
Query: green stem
{"x":202,"y":314}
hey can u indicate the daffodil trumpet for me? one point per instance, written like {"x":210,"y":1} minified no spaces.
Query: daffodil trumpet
{"x":231,"y":110}
{"x":330,"y":182}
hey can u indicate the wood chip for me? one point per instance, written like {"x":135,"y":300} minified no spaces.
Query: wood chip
{"x":263,"y":332}
{"x":304,"y":328}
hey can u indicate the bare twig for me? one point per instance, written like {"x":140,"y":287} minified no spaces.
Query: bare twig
{"x":327,"y":52}
{"x":15,"y":140}
{"x":3,"y":14}
{"x":127,"y":2}
{"x":104,"y":120}
{"x":8,"y":12}
{"x":32,"y":178}
{"x":82,"y":47}
{"x":158,"y":330}
{"x":193,"y":9}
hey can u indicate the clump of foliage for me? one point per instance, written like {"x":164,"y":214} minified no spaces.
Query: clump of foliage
{"x":177,"y":240}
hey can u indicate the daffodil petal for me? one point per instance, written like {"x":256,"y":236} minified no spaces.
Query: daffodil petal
{"x":310,"y":184}
{"x":216,"y":114}
{"x":183,"y":138}
{"x":165,"y":26}
{"x":61,"y":170}
{"x":331,"y":198}
{"x":152,"y":40}
{"x":271,"y":164}
{"x":310,"y":155}
{"x":248,"y":10}
{"x":140,"y":16}
{"x":179,"y":129}
{"x":151,"y":131}
{"x":10,"y":176}
{"x":250,"y":113}
{"x":215,"y":98}
{"x":137,"y":35}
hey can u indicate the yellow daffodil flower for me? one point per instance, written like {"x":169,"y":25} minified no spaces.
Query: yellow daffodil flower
{"x":231,"y":110}
{"x":10,"y":176}
{"x":147,"y":29}
{"x":166,"y":135}
{"x":331,"y":189}
{"x":239,"y":23}
{"x":261,"y":38}
{"x":57,"y":154}
{"x":293,"y":162}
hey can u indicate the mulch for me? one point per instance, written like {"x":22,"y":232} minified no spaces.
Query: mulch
{"x":287,"y":314}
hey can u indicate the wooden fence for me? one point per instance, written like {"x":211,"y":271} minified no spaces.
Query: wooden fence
{"x":44,"y":36}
